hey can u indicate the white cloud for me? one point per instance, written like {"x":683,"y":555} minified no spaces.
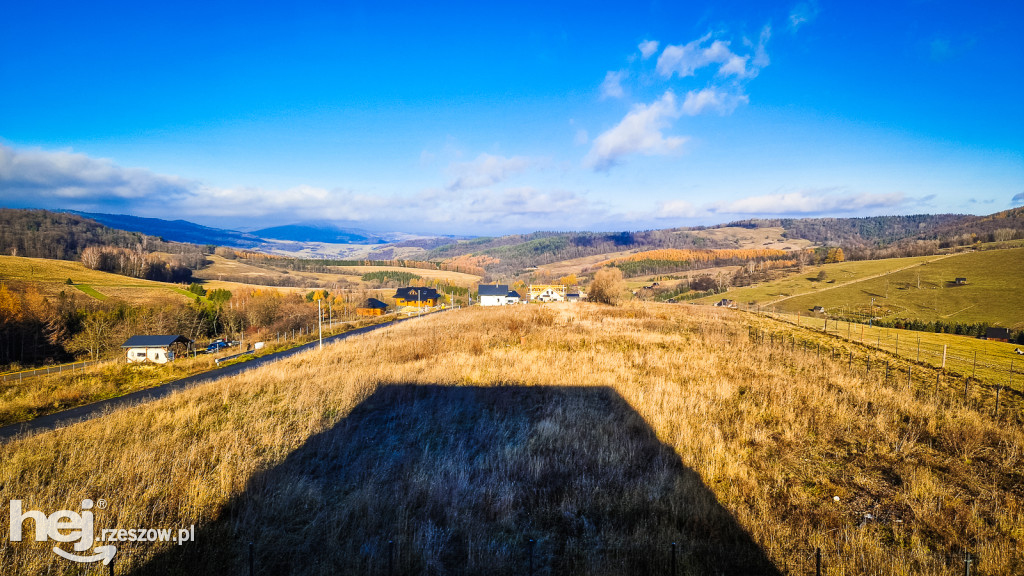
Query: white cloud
{"x":808,"y":202}
{"x":802,"y":14}
{"x":677,"y":209}
{"x":43,"y":175}
{"x":640,"y":132}
{"x":648,"y":48}
{"x":685,"y":60}
{"x":1018,"y":198}
{"x":486,"y":170}
{"x":67,"y":180}
{"x":713,"y":100}
{"x":612,"y":85}
{"x":761,"y":58}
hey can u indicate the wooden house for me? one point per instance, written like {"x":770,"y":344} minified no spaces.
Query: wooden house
{"x":418,"y":296}
{"x":998,"y":334}
{"x":371,"y":307}
{"x":159,"y":349}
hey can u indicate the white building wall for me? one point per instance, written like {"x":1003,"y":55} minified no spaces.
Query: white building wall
{"x":157,"y":355}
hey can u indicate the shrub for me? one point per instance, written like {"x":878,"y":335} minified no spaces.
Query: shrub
{"x":607,"y":286}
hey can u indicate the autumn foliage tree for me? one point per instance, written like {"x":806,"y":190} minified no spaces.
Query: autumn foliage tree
{"x":607,"y":286}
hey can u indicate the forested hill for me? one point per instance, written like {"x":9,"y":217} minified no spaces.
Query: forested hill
{"x":883,"y":236}
{"x":873,"y":230}
{"x":519,"y":251}
{"x":175,"y":230}
{"x":63,"y":236}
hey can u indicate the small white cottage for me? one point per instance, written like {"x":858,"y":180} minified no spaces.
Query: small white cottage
{"x":156,"y":348}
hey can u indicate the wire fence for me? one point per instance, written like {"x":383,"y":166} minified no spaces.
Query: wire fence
{"x":944,"y":388}
{"x":47,"y":370}
{"x":926,"y":348}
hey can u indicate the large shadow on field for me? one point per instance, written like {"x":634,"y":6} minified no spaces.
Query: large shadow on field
{"x":459,"y":480}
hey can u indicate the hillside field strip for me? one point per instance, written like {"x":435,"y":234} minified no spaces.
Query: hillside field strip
{"x":567,"y":439}
{"x":992,"y":292}
{"x":770,"y":237}
{"x":50,"y":277}
{"x":805,"y":282}
{"x":456,"y":278}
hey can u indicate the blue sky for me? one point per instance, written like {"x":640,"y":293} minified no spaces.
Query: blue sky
{"x":471,"y":118}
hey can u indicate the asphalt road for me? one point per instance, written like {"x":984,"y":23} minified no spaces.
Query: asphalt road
{"x":89,"y":411}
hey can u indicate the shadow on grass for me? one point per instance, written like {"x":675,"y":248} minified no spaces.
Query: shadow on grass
{"x":459,"y":480}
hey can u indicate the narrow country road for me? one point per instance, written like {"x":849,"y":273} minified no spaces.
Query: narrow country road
{"x":89,"y":411}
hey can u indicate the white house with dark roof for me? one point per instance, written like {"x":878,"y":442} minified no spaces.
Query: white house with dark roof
{"x":154,"y":348}
{"x":497,"y":295}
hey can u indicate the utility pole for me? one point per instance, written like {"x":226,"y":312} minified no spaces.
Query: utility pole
{"x":320,"y":321}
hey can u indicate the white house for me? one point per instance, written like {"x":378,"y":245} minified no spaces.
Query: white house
{"x":549,"y":295}
{"x":159,"y":348}
{"x":497,"y":295}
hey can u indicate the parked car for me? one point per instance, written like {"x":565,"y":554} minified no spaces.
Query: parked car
{"x":216,"y":345}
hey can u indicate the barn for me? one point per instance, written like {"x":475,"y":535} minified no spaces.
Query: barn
{"x":157,"y":348}
{"x":998,"y":334}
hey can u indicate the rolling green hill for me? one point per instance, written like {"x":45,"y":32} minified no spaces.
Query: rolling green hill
{"x":921,"y":288}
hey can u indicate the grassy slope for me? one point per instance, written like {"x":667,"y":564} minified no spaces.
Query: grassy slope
{"x":23,"y":400}
{"x":50,"y":277}
{"x":802,"y":283}
{"x":456,"y":278}
{"x":991,"y":361}
{"x":222,"y":267}
{"x":323,"y":458}
{"x":992,"y":293}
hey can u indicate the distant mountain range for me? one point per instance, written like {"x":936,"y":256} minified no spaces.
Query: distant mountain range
{"x":175,"y":230}
{"x":185,"y":231}
{"x":322,"y":232}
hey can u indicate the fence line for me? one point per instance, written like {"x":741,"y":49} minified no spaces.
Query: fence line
{"x":47,"y":370}
{"x":1002,"y":371}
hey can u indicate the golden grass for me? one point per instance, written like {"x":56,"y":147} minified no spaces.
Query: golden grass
{"x":23,"y":400}
{"x":49,"y":276}
{"x":456,"y":278}
{"x":965,"y":356}
{"x":770,"y":432}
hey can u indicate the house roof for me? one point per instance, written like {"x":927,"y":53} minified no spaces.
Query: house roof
{"x":514,"y":294}
{"x":997,"y":333}
{"x":153,"y":341}
{"x":373,"y":303}
{"x":417,"y":292}
{"x":493,"y":289}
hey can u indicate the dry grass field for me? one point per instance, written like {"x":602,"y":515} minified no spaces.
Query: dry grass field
{"x":456,"y":278}
{"x":49,"y":277}
{"x":446,"y":445}
{"x":755,"y":237}
{"x":214,"y":275}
